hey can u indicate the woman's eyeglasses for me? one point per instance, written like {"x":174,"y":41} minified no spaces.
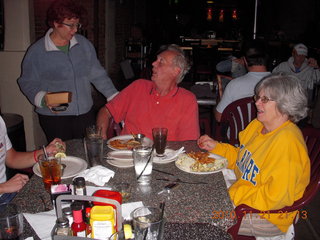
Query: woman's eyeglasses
{"x":73,"y":26}
{"x":264,"y":99}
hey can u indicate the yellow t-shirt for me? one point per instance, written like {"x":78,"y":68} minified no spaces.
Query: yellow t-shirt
{"x":272,"y":169}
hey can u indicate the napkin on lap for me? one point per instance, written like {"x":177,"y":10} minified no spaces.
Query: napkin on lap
{"x":229,"y":176}
{"x":98,"y":175}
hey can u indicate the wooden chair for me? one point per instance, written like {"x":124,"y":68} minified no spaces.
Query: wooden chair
{"x":222,"y":81}
{"x":312,"y":138}
{"x":236,"y":116}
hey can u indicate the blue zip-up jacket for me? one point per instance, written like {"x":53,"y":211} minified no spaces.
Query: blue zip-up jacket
{"x":45,"y":68}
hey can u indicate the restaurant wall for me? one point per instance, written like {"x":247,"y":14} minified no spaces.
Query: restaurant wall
{"x":18,"y":35}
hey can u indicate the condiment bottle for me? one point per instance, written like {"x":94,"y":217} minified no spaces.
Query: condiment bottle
{"x":78,"y":226}
{"x":110,"y":195}
{"x":87,"y":220}
{"x":67,"y":212}
{"x":79,"y":185}
{"x":102,"y":222}
{"x":63,"y":228}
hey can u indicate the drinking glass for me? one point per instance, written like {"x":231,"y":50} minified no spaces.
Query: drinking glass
{"x":160,"y":140}
{"x":11,"y":222}
{"x":50,"y":167}
{"x":142,"y":159}
{"x":148,"y":223}
{"x":93,"y":145}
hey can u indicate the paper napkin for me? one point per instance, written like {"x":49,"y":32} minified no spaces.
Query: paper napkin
{"x":98,"y":175}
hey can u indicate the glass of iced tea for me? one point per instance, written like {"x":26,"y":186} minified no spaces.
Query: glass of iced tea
{"x":160,"y":140}
{"x":50,"y":168}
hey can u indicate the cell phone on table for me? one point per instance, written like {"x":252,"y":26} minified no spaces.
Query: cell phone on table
{"x":60,"y":108}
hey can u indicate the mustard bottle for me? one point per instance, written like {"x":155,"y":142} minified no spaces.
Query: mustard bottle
{"x":102,"y":222}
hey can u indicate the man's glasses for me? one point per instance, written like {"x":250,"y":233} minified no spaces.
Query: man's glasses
{"x":264,"y":99}
{"x":73,"y":26}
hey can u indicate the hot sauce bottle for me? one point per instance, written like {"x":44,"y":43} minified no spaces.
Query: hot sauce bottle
{"x":78,"y":226}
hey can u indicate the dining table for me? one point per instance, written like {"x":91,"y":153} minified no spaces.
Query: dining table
{"x":199,"y":207}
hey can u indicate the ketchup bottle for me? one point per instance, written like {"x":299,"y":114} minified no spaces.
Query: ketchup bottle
{"x":78,"y":226}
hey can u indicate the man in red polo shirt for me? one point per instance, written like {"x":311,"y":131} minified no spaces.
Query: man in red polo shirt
{"x":146,"y":104}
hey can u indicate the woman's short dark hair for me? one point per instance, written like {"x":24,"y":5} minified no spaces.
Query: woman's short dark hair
{"x":287,"y":92}
{"x":61,"y":9}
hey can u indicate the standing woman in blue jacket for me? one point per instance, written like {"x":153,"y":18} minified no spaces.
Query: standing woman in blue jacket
{"x":63,"y":60}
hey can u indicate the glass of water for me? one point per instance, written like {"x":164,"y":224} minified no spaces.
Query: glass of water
{"x":142,"y":159}
{"x":148,"y":223}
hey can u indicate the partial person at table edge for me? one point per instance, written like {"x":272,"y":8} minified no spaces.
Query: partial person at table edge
{"x":272,"y":165}
{"x":146,"y":104}
{"x":64,"y":61}
{"x":18,"y":160}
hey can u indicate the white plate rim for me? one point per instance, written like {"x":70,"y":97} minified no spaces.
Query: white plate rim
{"x":36,"y":167}
{"x":113,"y":163}
{"x":146,"y":140}
{"x":216,"y":156}
{"x":112,"y":153}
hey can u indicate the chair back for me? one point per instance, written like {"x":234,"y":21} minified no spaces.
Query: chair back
{"x":222,"y":81}
{"x":312,"y":138}
{"x":236,"y":116}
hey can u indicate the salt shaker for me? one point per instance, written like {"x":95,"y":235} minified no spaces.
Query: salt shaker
{"x":63,"y":228}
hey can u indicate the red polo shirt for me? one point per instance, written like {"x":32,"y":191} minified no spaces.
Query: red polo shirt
{"x":142,"y":108}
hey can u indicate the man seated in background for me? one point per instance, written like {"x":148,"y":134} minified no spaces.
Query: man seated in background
{"x":17,"y":160}
{"x":306,"y":69}
{"x":146,"y":104}
{"x":255,"y":60}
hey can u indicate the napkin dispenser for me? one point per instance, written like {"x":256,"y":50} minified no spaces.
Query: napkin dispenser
{"x":54,"y":98}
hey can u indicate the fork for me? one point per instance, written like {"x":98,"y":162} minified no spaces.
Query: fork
{"x":178,"y":180}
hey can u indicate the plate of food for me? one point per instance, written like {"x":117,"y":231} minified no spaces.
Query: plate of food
{"x":126,"y":142}
{"x":201,"y":162}
{"x":72,"y":167}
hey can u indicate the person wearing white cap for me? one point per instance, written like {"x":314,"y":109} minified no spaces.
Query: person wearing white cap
{"x":306,"y":69}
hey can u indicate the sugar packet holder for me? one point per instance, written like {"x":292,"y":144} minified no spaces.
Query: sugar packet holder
{"x":83,"y":198}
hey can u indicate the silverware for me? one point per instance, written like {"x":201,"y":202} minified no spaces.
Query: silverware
{"x":178,"y":180}
{"x":168,"y":187}
{"x":171,"y":174}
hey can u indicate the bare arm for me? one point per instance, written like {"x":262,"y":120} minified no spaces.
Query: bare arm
{"x":20,"y":160}
{"x":103,"y":120}
{"x":217,"y":115}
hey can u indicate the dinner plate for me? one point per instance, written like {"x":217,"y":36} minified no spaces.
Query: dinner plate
{"x":121,"y":164}
{"x":74,"y":166}
{"x":166,"y":159}
{"x":122,"y":155}
{"x":146,"y":141}
{"x":184,"y":164}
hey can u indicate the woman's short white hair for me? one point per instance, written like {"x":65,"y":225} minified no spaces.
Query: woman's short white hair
{"x":180,"y":60}
{"x":287,"y":92}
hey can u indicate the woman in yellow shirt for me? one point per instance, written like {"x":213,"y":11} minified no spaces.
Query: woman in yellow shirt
{"x":272,"y":165}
